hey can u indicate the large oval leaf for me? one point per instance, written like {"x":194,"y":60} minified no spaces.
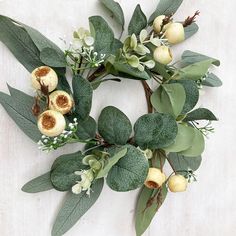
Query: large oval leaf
{"x":200,"y":114}
{"x":155,"y":131}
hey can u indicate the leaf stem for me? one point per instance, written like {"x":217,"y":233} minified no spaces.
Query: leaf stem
{"x":148,"y":93}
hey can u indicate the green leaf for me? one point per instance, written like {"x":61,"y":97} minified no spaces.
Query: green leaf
{"x":74,"y":207}
{"x":155,"y":131}
{"x":200,"y":114}
{"x":19,"y":112}
{"x":86,"y":129}
{"x":39,"y":184}
{"x":111,"y":162}
{"x":83,"y":94}
{"x":169,"y":99}
{"x":114,"y":126}
{"x":137,"y":22}
{"x":129,"y":172}
{"x":51,"y":57}
{"x":183,"y":139}
{"x":180,"y":162}
{"x":161,"y":70}
{"x":103,"y":34}
{"x":145,"y":213}
{"x":62,"y":172}
{"x":19,"y":43}
{"x":212,"y":80}
{"x":197,"y":147}
{"x":165,"y":7}
{"x":192,"y":94}
{"x":116,"y":10}
{"x":190,"y":30}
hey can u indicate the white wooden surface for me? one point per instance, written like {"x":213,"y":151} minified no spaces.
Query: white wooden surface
{"x":207,"y":208}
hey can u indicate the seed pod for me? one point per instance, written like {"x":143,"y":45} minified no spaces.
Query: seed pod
{"x":175,"y":33}
{"x":44,"y":77}
{"x":51,"y":123}
{"x":60,"y":101}
{"x":177,"y":183}
{"x":163,"y":55}
{"x":155,"y":178}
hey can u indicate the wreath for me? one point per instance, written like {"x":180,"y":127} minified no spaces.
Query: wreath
{"x":126,"y":157}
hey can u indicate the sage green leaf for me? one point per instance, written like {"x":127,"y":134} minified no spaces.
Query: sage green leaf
{"x":103,"y":35}
{"x":51,"y":57}
{"x":19,"y":43}
{"x":169,"y":99}
{"x":197,"y":147}
{"x":86,"y":129}
{"x":114,"y":126}
{"x":183,"y":139}
{"x":39,"y":184}
{"x":155,"y":131}
{"x":19,"y":113}
{"x":200,"y":114}
{"x":212,"y":80}
{"x":165,"y":7}
{"x":63,"y":175}
{"x":190,"y":30}
{"x":190,"y":57}
{"x":192,"y":95}
{"x":74,"y":207}
{"x":180,"y":162}
{"x":111,"y":162}
{"x":116,"y":10}
{"x":137,"y":22}
{"x":161,"y":70}
{"x":145,"y":213}
{"x":83,"y":94}
{"x":129,"y":172}
{"x":194,"y":71}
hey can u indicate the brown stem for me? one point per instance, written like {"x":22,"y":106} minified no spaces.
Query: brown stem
{"x":96,"y":73}
{"x":148,"y":93}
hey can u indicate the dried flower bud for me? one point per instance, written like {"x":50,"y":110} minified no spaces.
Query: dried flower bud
{"x":163,"y":55}
{"x":155,"y":178}
{"x":51,"y":123}
{"x":45,"y":79}
{"x":175,"y":33}
{"x":177,"y":183}
{"x":36,"y":107}
{"x":60,"y":101}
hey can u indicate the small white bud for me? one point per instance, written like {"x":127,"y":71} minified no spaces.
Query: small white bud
{"x":163,"y":55}
{"x":175,"y":33}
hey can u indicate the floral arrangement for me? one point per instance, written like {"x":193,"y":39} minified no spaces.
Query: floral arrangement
{"x":127,"y":158}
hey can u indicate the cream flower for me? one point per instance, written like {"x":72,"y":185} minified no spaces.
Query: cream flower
{"x":177,"y":183}
{"x":175,"y":33}
{"x":163,"y":55}
{"x":155,"y":178}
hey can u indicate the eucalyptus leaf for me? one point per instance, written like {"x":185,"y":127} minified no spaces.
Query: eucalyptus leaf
{"x":155,"y":131}
{"x":137,"y":22}
{"x":165,"y":7}
{"x":190,"y":30}
{"x":39,"y":184}
{"x":129,"y":172}
{"x":74,"y":207}
{"x":83,"y":93}
{"x":169,"y":99}
{"x":212,"y":80}
{"x":114,"y":126}
{"x":145,"y":213}
{"x":200,"y":114}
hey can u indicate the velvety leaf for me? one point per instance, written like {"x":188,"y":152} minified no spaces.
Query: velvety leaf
{"x":83,"y":93}
{"x":39,"y":184}
{"x":137,"y":22}
{"x":86,"y":129}
{"x":74,"y":207}
{"x":165,"y":7}
{"x":129,"y":172}
{"x":169,"y":99}
{"x":155,"y":131}
{"x":145,"y":213}
{"x":62,"y":172}
{"x":190,"y":30}
{"x":200,"y":114}
{"x":212,"y":80}
{"x":114,"y":126}
{"x":116,"y":10}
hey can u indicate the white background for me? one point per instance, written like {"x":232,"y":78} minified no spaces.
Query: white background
{"x":207,"y":208}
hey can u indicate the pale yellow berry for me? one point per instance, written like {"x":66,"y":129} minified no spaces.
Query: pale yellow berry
{"x":155,"y":178}
{"x":175,"y":33}
{"x":46,"y":76}
{"x":163,"y":55}
{"x":157,"y":23}
{"x":177,"y":183}
{"x":60,"y":101}
{"x":51,"y":123}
